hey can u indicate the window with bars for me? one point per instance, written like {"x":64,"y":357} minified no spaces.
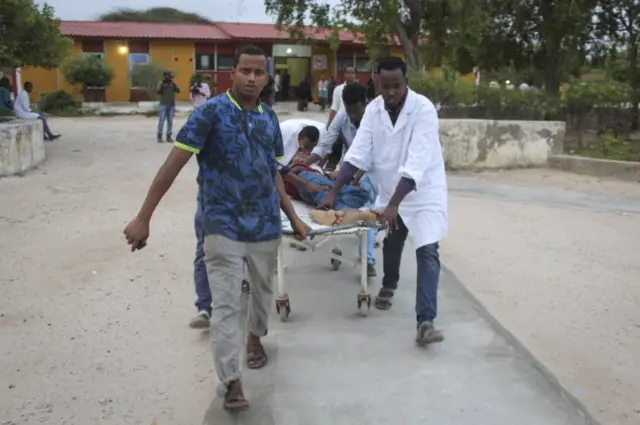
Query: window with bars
{"x":142,"y":78}
{"x":363,"y":65}
{"x":225,"y":62}
{"x":344,"y":62}
{"x":205,"y":62}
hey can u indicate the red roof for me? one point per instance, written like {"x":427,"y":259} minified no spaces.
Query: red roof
{"x":241,"y":30}
{"x":217,"y":31}
{"x":141,"y":30}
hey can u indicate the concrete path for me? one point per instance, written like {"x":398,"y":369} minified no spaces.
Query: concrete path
{"x":92,"y":334}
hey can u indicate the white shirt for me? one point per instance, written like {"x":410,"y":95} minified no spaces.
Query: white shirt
{"x":200,"y":99}
{"x":276,"y":80}
{"x":340,"y":126}
{"x":409,"y":149}
{"x":337,"y":104}
{"x":22,"y":107}
{"x":290,"y":130}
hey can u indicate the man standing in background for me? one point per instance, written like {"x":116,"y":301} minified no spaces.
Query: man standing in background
{"x":276,"y":81}
{"x":337,"y":105}
{"x":167,"y":91}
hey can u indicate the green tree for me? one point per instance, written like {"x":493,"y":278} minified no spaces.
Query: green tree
{"x":380,"y":22}
{"x":30,"y":35}
{"x":549,"y":37}
{"x":618,"y":26}
{"x":154,"y":14}
{"x":87,"y":70}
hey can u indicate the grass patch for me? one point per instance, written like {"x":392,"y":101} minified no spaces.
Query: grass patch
{"x":610,"y":147}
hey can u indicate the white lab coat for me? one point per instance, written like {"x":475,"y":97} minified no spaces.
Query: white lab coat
{"x":22,"y":107}
{"x":290,"y":130}
{"x":409,"y":149}
{"x":337,"y":104}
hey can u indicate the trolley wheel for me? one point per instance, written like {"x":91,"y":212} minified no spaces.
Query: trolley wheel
{"x":335,"y":264}
{"x":364,"y":304}
{"x":283,"y":308}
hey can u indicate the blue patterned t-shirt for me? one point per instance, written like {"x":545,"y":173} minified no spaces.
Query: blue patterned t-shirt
{"x":237,"y":153}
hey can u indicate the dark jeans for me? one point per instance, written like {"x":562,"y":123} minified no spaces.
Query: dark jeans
{"x":428,"y":261}
{"x":165,"y":113}
{"x":45,"y":126}
{"x":203,"y":290}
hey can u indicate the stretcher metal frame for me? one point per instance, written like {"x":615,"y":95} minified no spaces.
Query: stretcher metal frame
{"x":317,"y":237}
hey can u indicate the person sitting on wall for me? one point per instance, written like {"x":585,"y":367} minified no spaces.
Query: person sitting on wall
{"x":6,"y":104}
{"x":22,"y":109}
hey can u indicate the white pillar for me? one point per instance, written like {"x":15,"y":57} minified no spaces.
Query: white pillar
{"x":18,"y":82}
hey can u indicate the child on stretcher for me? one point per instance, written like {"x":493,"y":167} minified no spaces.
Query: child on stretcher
{"x":310,"y":186}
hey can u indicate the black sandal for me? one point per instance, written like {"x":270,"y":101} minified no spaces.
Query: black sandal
{"x":383,"y":300}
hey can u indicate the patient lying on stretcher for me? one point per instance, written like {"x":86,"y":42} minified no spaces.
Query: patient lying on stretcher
{"x":310,"y":186}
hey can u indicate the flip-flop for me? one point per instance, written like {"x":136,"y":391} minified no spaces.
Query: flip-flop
{"x":383,"y":300}
{"x":256,"y":356}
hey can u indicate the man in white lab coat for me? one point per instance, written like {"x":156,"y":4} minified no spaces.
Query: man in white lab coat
{"x":397,"y":144}
{"x":22,"y":108}
{"x":296,"y":131}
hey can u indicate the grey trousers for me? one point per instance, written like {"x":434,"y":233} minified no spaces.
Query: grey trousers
{"x":225,"y":259}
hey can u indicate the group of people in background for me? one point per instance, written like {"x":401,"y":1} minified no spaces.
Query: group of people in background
{"x":21,"y":108}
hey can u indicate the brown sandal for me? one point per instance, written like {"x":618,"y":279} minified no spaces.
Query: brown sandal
{"x":383,"y":300}
{"x":234,"y":398}
{"x":256,"y":356}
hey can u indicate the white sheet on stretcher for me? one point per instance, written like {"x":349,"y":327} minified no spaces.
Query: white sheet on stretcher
{"x":303,"y":212}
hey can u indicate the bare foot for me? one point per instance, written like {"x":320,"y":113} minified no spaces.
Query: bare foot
{"x":326,"y":218}
{"x":234,"y":398}
{"x":347,"y":216}
{"x":352,"y":216}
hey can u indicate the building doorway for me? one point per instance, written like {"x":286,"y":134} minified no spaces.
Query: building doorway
{"x":295,"y":60}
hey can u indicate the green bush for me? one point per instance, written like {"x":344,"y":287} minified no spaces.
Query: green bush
{"x":59,"y":103}
{"x":205,"y":78}
{"x":147,"y":77}
{"x":87,"y":70}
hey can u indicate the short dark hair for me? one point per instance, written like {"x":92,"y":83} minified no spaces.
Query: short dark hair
{"x":310,"y":132}
{"x":5,"y":82}
{"x":354,"y":93}
{"x":248,"y":50}
{"x":392,"y":63}
{"x":27,"y":83}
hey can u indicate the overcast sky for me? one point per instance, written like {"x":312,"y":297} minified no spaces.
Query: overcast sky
{"x":216,"y":10}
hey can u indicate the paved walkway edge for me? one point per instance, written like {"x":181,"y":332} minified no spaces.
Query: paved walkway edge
{"x":577,"y":404}
{"x":621,"y":170}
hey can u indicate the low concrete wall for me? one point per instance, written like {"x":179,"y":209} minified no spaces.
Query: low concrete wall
{"x":21,"y":146}
{"x":621,"y":170}
{"x":489,"y":144}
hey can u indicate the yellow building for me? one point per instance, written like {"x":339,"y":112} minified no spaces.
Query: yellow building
{"x":188,"y":48}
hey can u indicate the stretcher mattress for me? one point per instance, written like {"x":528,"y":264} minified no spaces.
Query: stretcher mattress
{"x":318,"y":229}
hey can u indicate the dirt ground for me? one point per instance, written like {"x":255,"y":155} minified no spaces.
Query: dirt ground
{"x":553,"y":256}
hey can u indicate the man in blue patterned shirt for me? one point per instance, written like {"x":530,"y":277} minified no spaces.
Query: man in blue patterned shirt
{"x":237,"y":141}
